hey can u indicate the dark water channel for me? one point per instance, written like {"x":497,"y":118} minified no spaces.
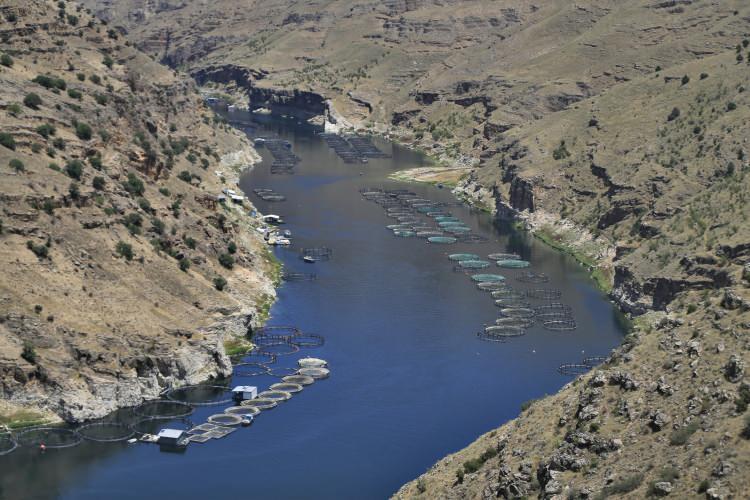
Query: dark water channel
{"x":410,"y":381}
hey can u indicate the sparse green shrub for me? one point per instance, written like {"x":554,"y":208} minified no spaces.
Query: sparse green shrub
{"x":58,"y":143}
{"x":108,"y":61}
{"x":158,"y":226}
{"x":124,"y":250}
{"x":164,"y":191}
{"x":134,"y":185}
{"x":133,"y":222}
{"x":144,"y":204}
{"x":704,"y":76}
{"x":184,"y":264}
{"x":28,"y":353}
{"x":561,"y":152}
{"x":691,"y":308}
{"x":220,"y":283}
{"x":83,"y":131}
{"x":743,"y":399}
{"x":41,"y":251}
{"x":101,"y":99}
{"x":185,"y":176}
{"x":673,"y":115}
{"x":74,"y":169}
{"x":191,"y":158}
{"x":6,"y":60}
{"x":75,"y":94}
{"x":731,"y":106}
{"x":681,"y":435}
{"x":50,"y":82}
{"x":226,"y":260}
{"x":7,"y":140}
{"x":459,"y":476}
{"x":685,"y":80}
{"x":13,"y":109}
{"x":81,"y":77}
{"x":704,"y":485}
{"x":232,"y":247}
{"x":624,"y":485}
{"x":95,"y":79}
{"x":16,"y":165}
{"x":745,"y":433}
{"x":32,"y":100}
{"x":74,"y":191}
{"x":98,"y":183}
{"x":190,"y":242}
{"x":46,"y":130}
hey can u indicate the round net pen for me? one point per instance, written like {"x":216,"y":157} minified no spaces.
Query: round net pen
{"x":500,"y":333}
{"x":259,"y":356}
{"x":276,"y":330}
{"x":106,"y":432}
{"x":242,"y":411}
{"x":282,"y":371}
{"x":50,"y":437}
{"x":163,"y":409}
{"x":532,"y":277}
{"x":473,"y":264}
{"x":429,"y":234}
{"x":278,"y":396}
{"x":447,"y":218}
{"x":543,"y":294}
{"x":492,"y":286}
{"x":260,"y":404}
{"x":312,"y":363}
{"x":308,"y":340}
{"x":513,"y":264}
{"x":514,"y":322}
{"x":441,"y":240}
{"x":281,"y":348}
{"x":558,"y":325}
{"x":298,"y":379}
{"x":472,"y":238}
{"x":517,"y":312}
{"x":573,"y":369}
{"x":287,"y":387}
{"x":316,"y":373}
{"x":512,"y":303}
{"x":264,"y":340}
{"x":554,"y":307}
{"x":553,"y":316}
{"x":200,"y":395}
{"x":225,"y":419}
{"x":487,"y":278}
{"x":507,"y":293}
{"x":459,"y":257}
{"x":404,"y":234}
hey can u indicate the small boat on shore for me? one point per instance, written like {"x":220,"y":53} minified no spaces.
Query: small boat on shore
{"x":309,"y":259}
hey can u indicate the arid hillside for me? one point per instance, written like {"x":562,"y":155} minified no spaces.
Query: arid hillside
{"x":120,"y":273}
{"x":615,"y":130}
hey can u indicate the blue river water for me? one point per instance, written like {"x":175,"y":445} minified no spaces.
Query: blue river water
{"x":410,"y":382}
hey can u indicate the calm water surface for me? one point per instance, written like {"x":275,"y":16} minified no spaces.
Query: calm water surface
{"x":410,"y":381}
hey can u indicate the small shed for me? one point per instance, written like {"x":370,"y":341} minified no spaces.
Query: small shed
{"x":245,"y":392}
{"x":171,"y":437}
{"x":237,"y":198}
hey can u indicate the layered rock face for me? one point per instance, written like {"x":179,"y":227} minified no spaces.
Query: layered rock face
{"x":110,"y":231}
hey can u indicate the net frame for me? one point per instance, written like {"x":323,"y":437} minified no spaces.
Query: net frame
{"x":512,"y":303}
{"x":291,"y":348}
{"x":473,"y":264}
{"x":442,"y":240}
{"x":187,"y":409}
{"x":532,"y":277}
{"x":308,"y":340}
{"x":573,"y":369}
{"x":517,"y":312}
{"x":558,"y":325}
{"x":593,"y":361}
{"x":315,"y":372}
{"x":276,"y":330}
{"x":513,"y":264}
{"x":544,"y":294}
{"x":508,"y":293}
{"x":22,"y":439}
{"x":183,"y":388}
{"x":246,"y":370}
{"x":502,"y":331}
{"x":458,"y":257}
{"x":93,"y":425}
{"x":518,"y":322}
{"x":295,"y":276}
{"x":484,"y":278}
{"x":282,"y":371}
{"x":287,"y":387}
{"x":492,"y":286}
{"x":245,"y":411}
{"x":274,"y":395}
{"x":298,"y":379}
{"x":259,"y":355}
{"x":471,"y":239}
{"x":504,"y":256}
{"x":312,"y":363}
{"x":8,"y":436}
{"x":260,"y":404}
{"x":229,"y":420}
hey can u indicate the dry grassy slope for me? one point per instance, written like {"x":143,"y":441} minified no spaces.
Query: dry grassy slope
{"x":108,"y":331}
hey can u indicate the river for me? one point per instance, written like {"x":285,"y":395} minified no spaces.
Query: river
{"x":410,"y":382}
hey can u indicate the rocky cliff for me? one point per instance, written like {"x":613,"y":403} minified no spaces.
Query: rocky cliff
{"x":121,"y":273}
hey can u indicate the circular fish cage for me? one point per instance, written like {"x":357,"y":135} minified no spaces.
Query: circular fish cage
{"x":532,"y":277}
{"x":105,"y":432}
{"x":564,"y":325}
{"x":410,"y":219}
{"x":308,"y":340}
{"x":543,"y":294}
{"x":492,"y":286}
{"x":451,"y":223}
{"x":472,"y":238}
{"x":281,"y":371}
{"x":429,"y":234}
{"x":258,"y":356}
{"x":507,"y":293}
{"x":473,"y":264}
{"x":593,"y":361}
{"x":512,"y":264}
{"x":225,"y":419}
{"x":442,"y":240}
{"x":260,"y":404}
{"x":283,"y":330}
{"x":573,"y":369}
{"x":50,"y":437}
{"x":446,"y":218}
{"x":438,"y":213}
{"x":399,"y":227}
{"x":461,"y":257}
{"x":263,"y":340}
{"x":281,"y":348}
{"x":316,"y":373}
{"x":250,"y":370}
{"x":298,"y":379}
{"x":504,"y":256}
{"x":517,"y":312}
{"x":8,"y":443}
{"x":554,"y":307}
{"x":321,"y":253}
{"x":516,"y":322}
{"x":273,"y":395}
{"x":294,"y":276}
{"x":487,"y":278}
{"x":200,"y":395}
{"x":162,"y":409}
{"x":457,"y":230}
{"x":243,"y":411}
{"x":287,"y":387}
{"x":501,"y":332}
{"x":312,"y":363}
{"x":512,"y":303}
{"x":404,"y":234}
{"x":553,"y":316}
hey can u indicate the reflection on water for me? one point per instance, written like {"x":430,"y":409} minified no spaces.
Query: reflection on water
{"x":410,"y":381}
